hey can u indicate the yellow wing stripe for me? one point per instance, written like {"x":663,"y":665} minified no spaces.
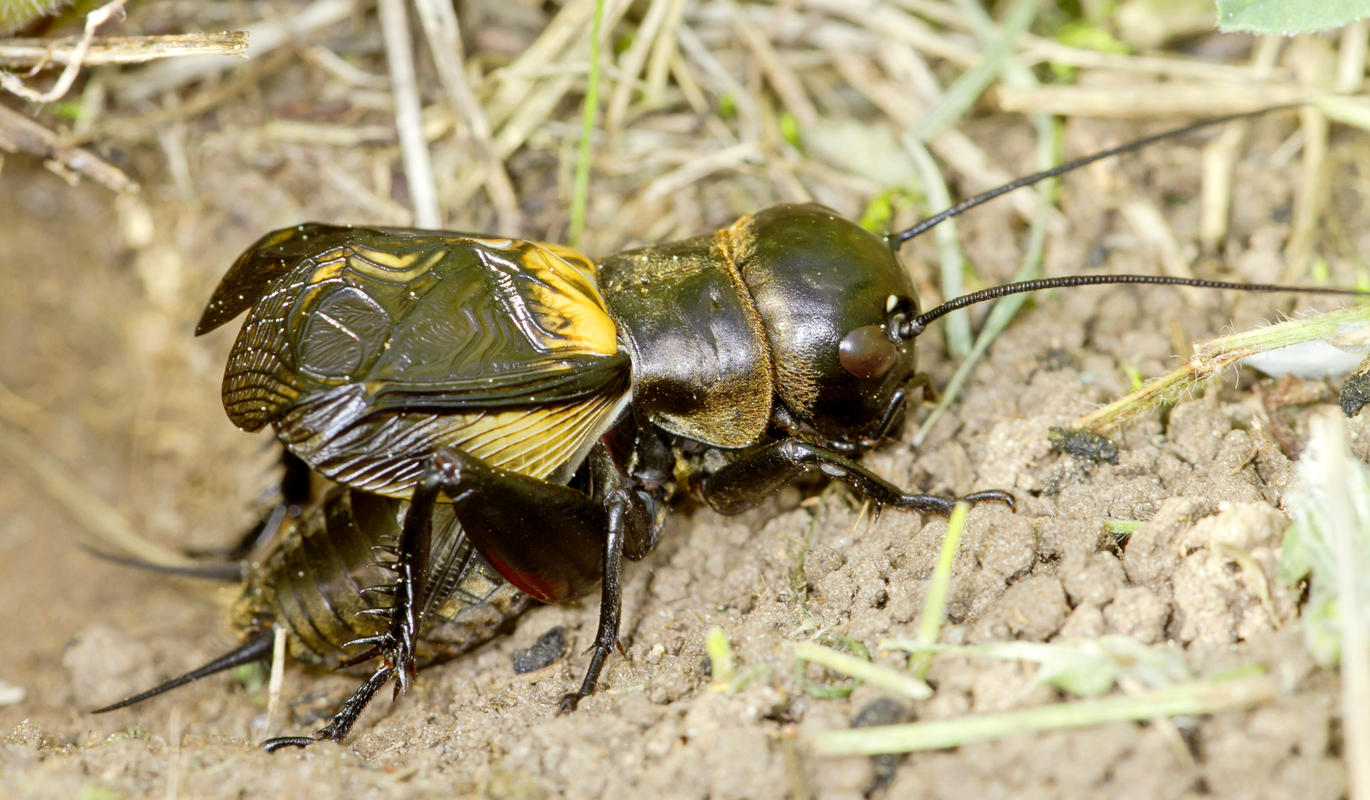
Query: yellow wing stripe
{"x":392,"y":267}
{"x":532,"y":442}
{"x":571,"y":302}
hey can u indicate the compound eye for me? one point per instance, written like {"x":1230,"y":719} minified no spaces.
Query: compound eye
{"x":867,"y":352}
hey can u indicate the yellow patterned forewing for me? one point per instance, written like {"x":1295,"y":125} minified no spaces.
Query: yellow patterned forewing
{"x":566,"y":299}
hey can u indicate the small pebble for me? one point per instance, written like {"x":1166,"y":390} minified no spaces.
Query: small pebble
{"x":548,"y":648}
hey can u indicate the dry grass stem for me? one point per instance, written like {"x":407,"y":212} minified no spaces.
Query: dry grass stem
{"x":135,"y":126}
{"x":370,"y":203}
{"x":1308,"y":199}
{"x":664,"y":53}
{"x":1147,"y":100}
{"x":893,"y":25}
{"x":1036,"y":50}
{"x":418,"y":165}
{"x":717,"y":77}
{"x":264,"y":38}
{"x":783,"y":80}
{"x":696,"y":168}
{"x":520,"y":104}
{"x":43,"y":53}
{"x":632,"y":61}
{"x":327,"y":134}
{"x":1219,"y":161}
{"x":953,"y":149}
{"x":1351,"y":53}
{"x":1220,"y":157}
{"x":440,"y":26}
{"x":344,"y":70}
{"x":15,"y":85}
{"x":19,"y":134}
{"x":518,"y":82}
{"x":276,"y":681}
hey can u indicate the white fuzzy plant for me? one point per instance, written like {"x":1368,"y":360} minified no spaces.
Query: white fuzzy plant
{"x":1329,"y":546}
{"x":1329,"y":542}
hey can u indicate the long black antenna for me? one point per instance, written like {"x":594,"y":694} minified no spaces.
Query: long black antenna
{"x":897,"y":240}
{"x":910,"y":328}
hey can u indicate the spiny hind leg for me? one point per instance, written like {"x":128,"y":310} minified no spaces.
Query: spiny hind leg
{"x":394,"y":646}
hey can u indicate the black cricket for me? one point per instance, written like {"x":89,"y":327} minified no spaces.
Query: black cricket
{"x":508,"y":419}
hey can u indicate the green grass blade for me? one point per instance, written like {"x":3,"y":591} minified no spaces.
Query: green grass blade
{"x":1203,"y":697}
{"x":580,"y":189}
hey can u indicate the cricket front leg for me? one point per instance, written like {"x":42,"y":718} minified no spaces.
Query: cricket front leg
{"x":749,"y":480}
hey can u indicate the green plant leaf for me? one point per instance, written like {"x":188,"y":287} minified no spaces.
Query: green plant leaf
{"x":1289,"y":16}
